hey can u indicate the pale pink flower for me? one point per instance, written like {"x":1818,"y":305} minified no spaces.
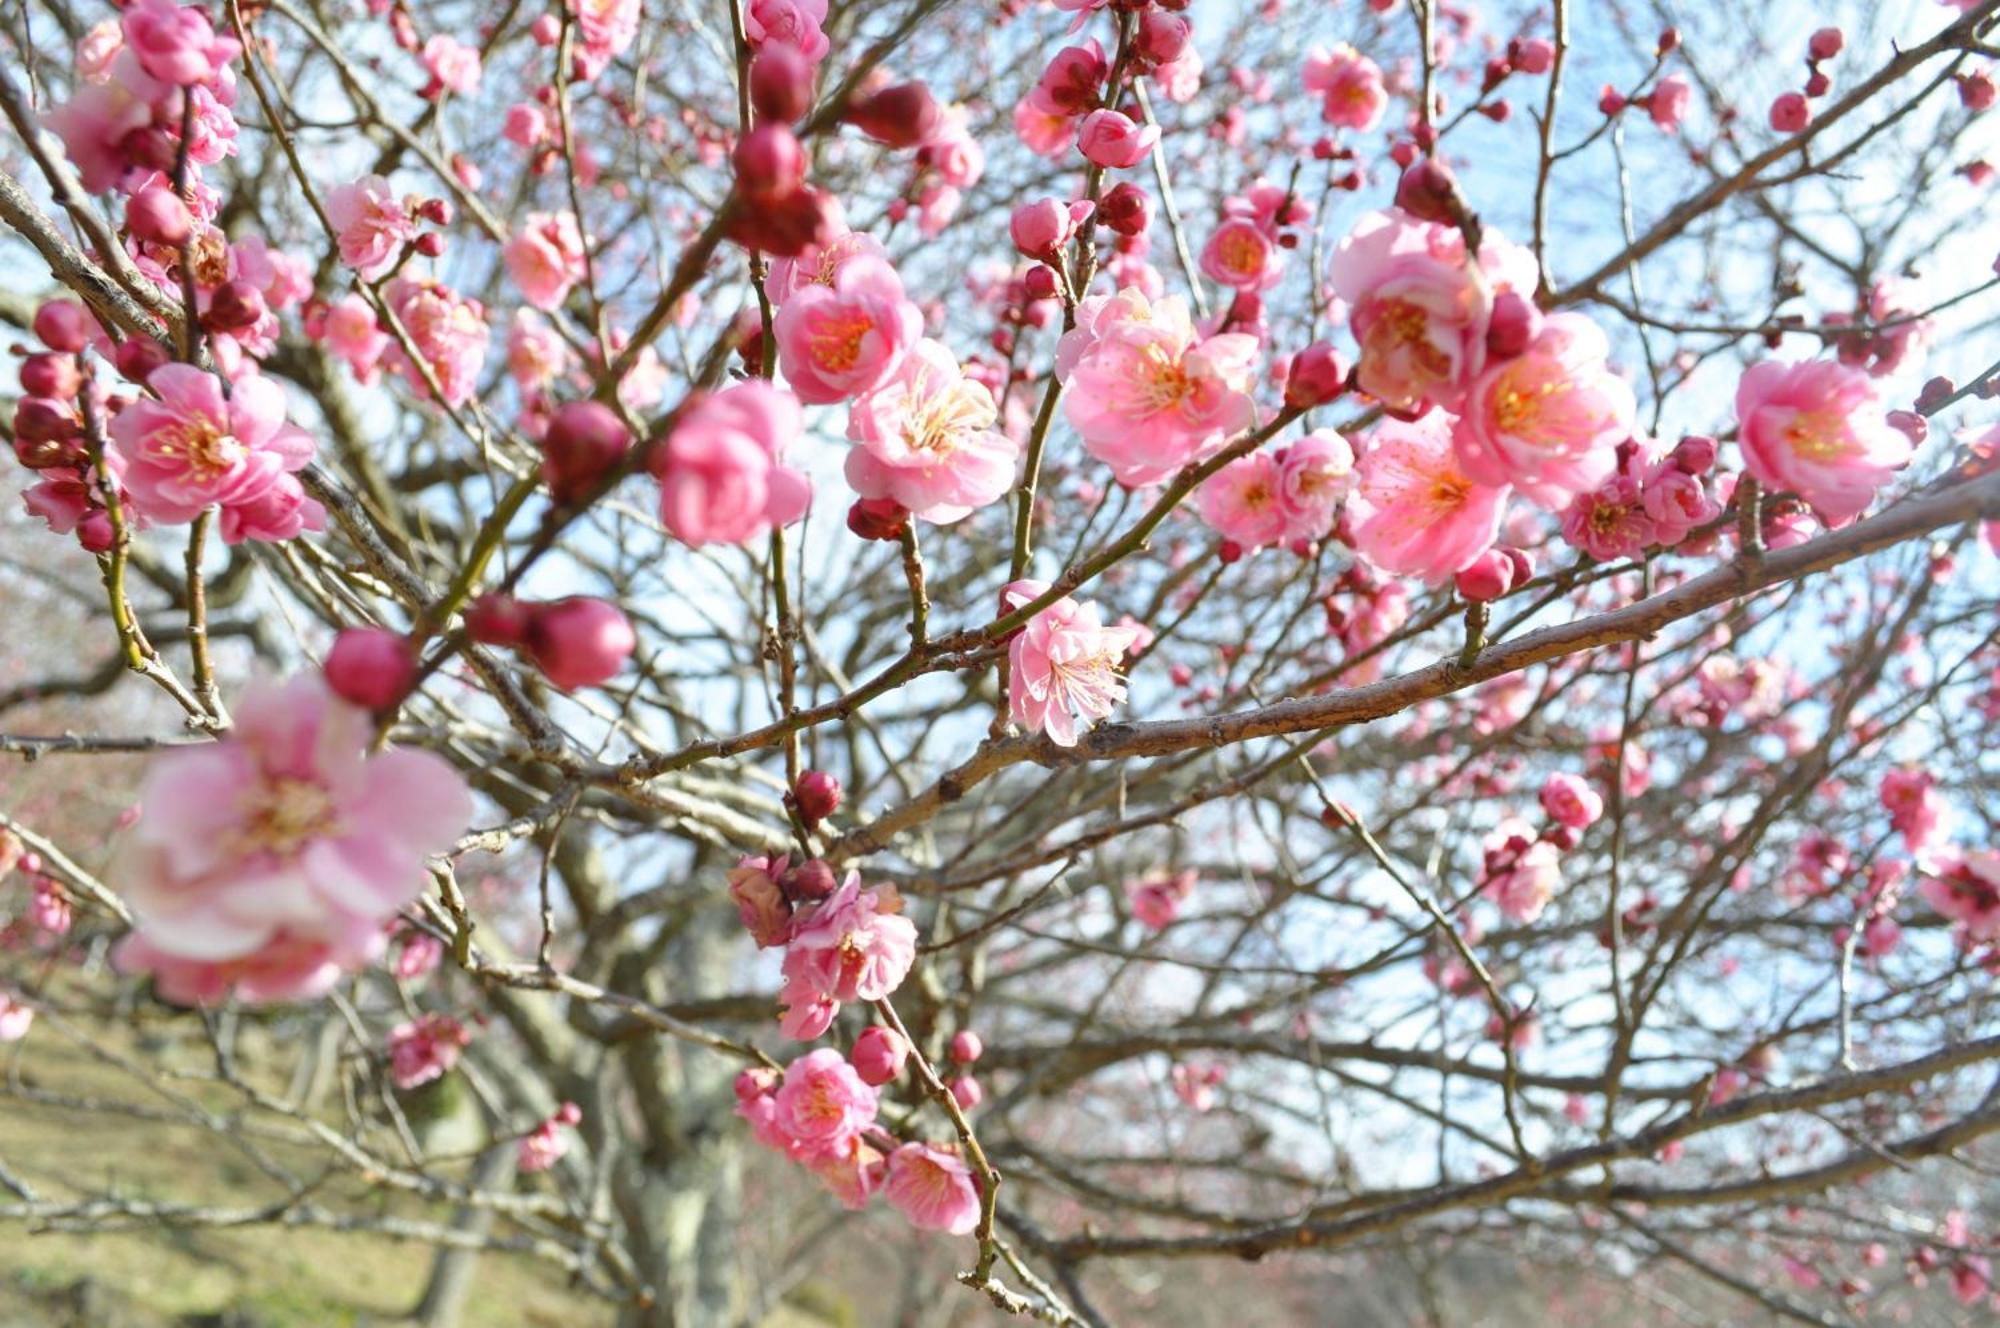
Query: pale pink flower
{"x":1549,"y":420}
{"x":1571,"y":801}
{"x":371,"y":224}
{"x":425,"y":1049}
{"x":281,"y":512}
{"x":1062,"y":664}
{"x":546,"y":258}
{"x":352,"y":333}
{"x":1314,"y":475}
{"x":16,"y":1017}
{"x":536,"y":353}
{"x":1349,"y":85}
{"x":1522,"y":873}
{"x":286,"y":968}
{"x":1668,"y":102}
{"x":1915,"y":809}
{"x":97,"y":48}
{"x":1676,"y":502}
{"x":417,"y":956}
{"x":846,"y":338}
{"x":795,"y":23}
{"x":822,"y":1105}
{"x":932,"y":1187}
{"x":761,"y":905}
{"x":549,"y":1142}
{"x":1044,"y":132}
{"x":1966,"y":889}
{"x":453,"y":64}
{"x":607,"y":29}
{"x":1156,"y":900}
{"x":853,"y":947}
{"x":1180,"y":80}
{"x":1418,"y":308}
{"x":1611,"y":521}
{"x":1820,"y":430}
{"x":175,"y":44}
{"x":926,"y":439}
{"x":820,"y":264}
{"x":1113,"y":140}
{"x":449,"y":331}
{"x":1413,"y":510}
{"x":282,"y":848}
{"x":1244,"y":501}
{"x":722,"y":473}
{"x":528,"y":124}
{"x":94,"y":125}
{"x":1242,"y":255}
{"x":1149,"y":395}
{"x":852,"y":1172}
{"x":195,"y":448}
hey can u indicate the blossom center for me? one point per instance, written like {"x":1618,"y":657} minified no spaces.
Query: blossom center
{"x":836,"y":342}
{"x":204,"y":447}
{"x":284,"y":813}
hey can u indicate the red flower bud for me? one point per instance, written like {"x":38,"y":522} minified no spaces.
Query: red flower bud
{"x":1825,"y":44}
{"x":781,"y":84}
{"x":786,"y":226}
{"x":1317,"y":377}
{"x":371,"y":667}
{"x":1429,"y":192}
{"x":584,"y":440}
{"x":1513,"y":325}
{"x":966,"y":1047}
{"x":48,"y":374}
{"x":877,"y":518}
{"x":769,"y":163}
{"x":64,"y":325}
{"x":156,"y":215}
{"x":45,"y":420}
{"x":900,"y":116}
{"x":137,"y":357}
{"x":1489,"y":576}
{"x":497,"y":620}
{"x":815,"y":797}
{"x":579,"y":642}
{"x":1162,"y":38}
{"x":811,"y":879}
{"x":235,"y":305}
{"x":878,"y":1055}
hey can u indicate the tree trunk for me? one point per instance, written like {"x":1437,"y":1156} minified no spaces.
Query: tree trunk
{"x":452,"y":1270}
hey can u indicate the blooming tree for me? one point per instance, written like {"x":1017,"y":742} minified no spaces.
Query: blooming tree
{"x":1298,"y":637}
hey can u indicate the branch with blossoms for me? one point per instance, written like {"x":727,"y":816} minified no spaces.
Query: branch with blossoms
{"x":1233,"y":706}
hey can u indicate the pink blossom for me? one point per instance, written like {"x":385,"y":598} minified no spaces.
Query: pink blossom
{"x":1668,"y":102}
{"x":453,"y":64}
{"x":195,"y":448}
{"x":1570,"y":801}
{"x":1413,"y":510}
{"x":1547,"y":421}
{"x":1349,"y":85}
{"x":352,"y":333}
{"x":1418,"y":308}
{"x":1044,"y":133}
{"x":536,"y":353}
{"x":449,"y":331}
{"x":281,"y":512}
{"x":1966,"y":889}
{"x":425,"y":1049}
{"x":932,"y":1187}
{"x":607,"y":29}
{"x":1149,"y":395}
{"x":1156,"y":900}
{"x":846,"y":338}
{"x":1244,"y":501}
{"x":1314,"y":475}
{"x":1242,"y":255}
{"x":820,"y":264}
{"x":1610,"y":521}
{"x":795,"y":23}
{"x":1914,"y":806}
{"x":528,"y":124}
{"x":175,"y":45}
{"x":1676,"y":502}
{"x":94,"y":126}
{"x":721,"y":470}
{"x":822,"y":1105}
{"x":852,"y":1173}
{"x":760,"y":903}
{"x":1112,"y":140}
{"x":1522,"y":873}
{"x":1179,"y":80}
{"x":1062,"y":664}
{"x":854,"y":946}
{"x":546,"y":258}
{"x":1044,"y":228}
{"x":548,"y":1143}
{"x":417,"y":956}
{"x":926,"y":439}
{"x":1195,"y":1085}
{"x":371,"y":224}
{"x":16,"y":1017}
{"x":271,"y":858}
{"x":1818,"y":429}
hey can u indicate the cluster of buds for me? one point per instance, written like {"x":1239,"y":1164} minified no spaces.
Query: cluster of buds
{"x":576,"y":642}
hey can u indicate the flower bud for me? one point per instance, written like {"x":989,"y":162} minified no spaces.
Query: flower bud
{"x":1818,"y":84}
{"x":966,"y":1047}
{"x":1162,"y":38}
{"x":1040,"y":282}
{"x":1114,"y":140}
{"x":1041,"y":229}
{"x":1695,"y":454}
{"x":900,"y":116}
{"x":45,"y":420}
{"x":546,"y":30}
{"x":786,"y":225}
{"x":781,"y":83}
{"x":1317,"y":377}
{"x":372,"y":667}
{"x":584,"y":441}
{"x":1513,"y":325}
{"x":1790,"y":114}
{"x":137,"y":357}
{"x":878,"y":518}
{"x":816,"y":796}
{"x":1429,"y":192}
{"x":1126,"y":209}
{"x":1532,"y":55}
{"x":430,"y":244}
{"x":965,"y":1091}
{"x":1610,"y":101}
{"x":579,"y":641}
{"x":811,"y":880}
{"x":1524,"y":566}
{"x":1825,"y":44}
{"x":1976,"y":90}
{"x":1488,"y":577}
{"x":1933,"y":395}
{"x":48,"y":374}
{"x":1564,"y":837}
{"x":156,"y":215}
{"x":64,"y":325}
{"x":754,"y":1083}
{"x":96,"y":533}
{"x":235,"y":305}
{"x":769,"y":163}
{"x":878,"y":1055}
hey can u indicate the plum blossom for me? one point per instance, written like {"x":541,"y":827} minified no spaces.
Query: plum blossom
{"x":546,"y":258}
{"x":1915,"y":809}
{"x":822,"y":1105}
{"x":760,"y":902}
{"x":1570,"y":801}
{"x":425,"y":1049}
{"x":1521,"y":873}
{"x":351,"y":332}
{"x":1549,"y":420}
{"x":1965,"y":887}
{"x":270,"y":859}
{"x":794,"y":23}
{"x":16,"y":1017}
{"x":1062,"y":664}
{"x":454,"y":66}
{"x":605,"y":30}
{"x":193,"y":448}
{"x":1156,"y":900}
{"x":721,"y":471}
{"x":548,"y":1143}
{"x":820,"y":264}
{"x":1148,"y":394}
{"x":1418,"y":308}
{"x":1818,"y":429}
{"x":449,"y":331}
{"x":845,"y":338}
{"x":933,"y":1188}
{"x":1244,"y":502}
{"x":926,"y":439}
{"x":1611,"y":521}
{"x":1113,"y":140}
{"x":1414,"y":511}
{"x":1195,"y":1085}
{"x":1240,"y":254}
{"x":1314,"y":475}
{"x":371,"y":224}
{"x":1349,"y":85}
{"x":855,"y":946}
